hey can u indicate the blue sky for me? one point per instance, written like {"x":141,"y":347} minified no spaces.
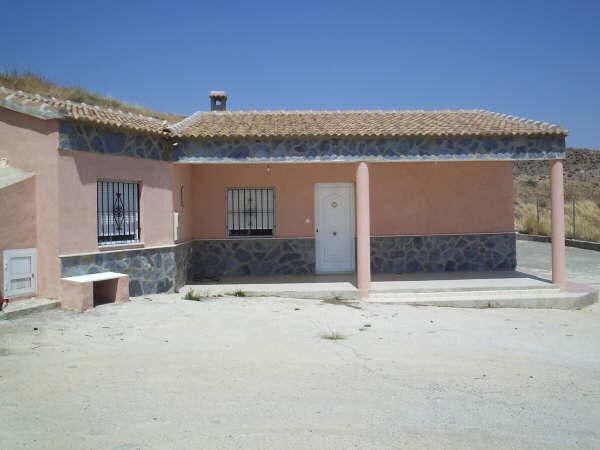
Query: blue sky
{"x":538,"y":59}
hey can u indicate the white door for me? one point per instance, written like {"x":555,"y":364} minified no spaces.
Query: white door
{"x":19,"y":272}
{"x":334,"y":227}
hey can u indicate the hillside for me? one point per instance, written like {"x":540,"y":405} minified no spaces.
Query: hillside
{"x":29,"y":82}
{"x":582,"y":183}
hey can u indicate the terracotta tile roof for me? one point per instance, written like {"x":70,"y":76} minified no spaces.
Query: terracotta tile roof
{"x":358,"y":123}
{"x":52,"y":108}
{"x":265,"y":124}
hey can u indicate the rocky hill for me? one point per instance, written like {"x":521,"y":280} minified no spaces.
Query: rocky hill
{"x":582,"y":176}
{"x":582,"y":184}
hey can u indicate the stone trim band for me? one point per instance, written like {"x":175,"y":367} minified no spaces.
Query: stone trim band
{"x":92,"y":138}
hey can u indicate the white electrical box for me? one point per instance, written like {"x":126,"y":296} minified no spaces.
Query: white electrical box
{"x":175,"y":226}
{"x":20,"y":267}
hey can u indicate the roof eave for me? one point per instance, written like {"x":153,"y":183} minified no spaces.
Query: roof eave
{"x":43,"y":112}
{"x":166,"y":132}
{"x":562,"y":133}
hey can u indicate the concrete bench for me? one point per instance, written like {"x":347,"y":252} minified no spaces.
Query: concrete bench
{"x":86,"y":291}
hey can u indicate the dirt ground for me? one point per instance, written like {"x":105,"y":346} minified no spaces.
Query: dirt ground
{"x":165,"y":373}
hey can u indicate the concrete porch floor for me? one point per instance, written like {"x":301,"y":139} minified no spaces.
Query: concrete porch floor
{"x":464,"y":289}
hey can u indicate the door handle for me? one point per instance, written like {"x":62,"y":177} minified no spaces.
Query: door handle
{"x":335,"y":233}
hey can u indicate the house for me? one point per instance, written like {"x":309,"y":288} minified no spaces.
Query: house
{"x":226,"y":193}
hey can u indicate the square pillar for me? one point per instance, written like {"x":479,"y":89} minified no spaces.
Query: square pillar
{"x":363,"y":231}
{"x":558,"y":222}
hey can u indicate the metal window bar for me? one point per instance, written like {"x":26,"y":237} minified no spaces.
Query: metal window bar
{"x":118,"y":213}
{"x":250,"y":212}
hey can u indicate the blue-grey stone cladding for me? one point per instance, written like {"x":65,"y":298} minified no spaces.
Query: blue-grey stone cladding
{"x":183,"y":259}
{"x":91,"y":138}
{"x":161,"y":270}
{"x":151,"y":271}
{"x":239,"y":257}
{"x":374,"y":150}
{"x":443,"y":253}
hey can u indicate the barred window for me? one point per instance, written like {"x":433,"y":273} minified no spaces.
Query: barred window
{"x":250,"y":212}
{"x":118,"y":212}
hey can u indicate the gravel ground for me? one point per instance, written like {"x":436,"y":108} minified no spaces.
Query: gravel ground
{"x":165,"y":373}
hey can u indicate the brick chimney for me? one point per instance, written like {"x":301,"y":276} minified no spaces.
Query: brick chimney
{"x":218,"y":100}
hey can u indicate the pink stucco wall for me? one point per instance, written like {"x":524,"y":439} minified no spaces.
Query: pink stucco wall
{"x":18,"y":221}
{"x":30,"y":144}
{"x":79,"y":172}
{"x":444,"y":197}
{"x":294,"y":193}
{"x":406,"y":198}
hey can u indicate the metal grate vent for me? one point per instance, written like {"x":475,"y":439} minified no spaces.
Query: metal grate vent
{"x":250,"y":212}
{"x":118,"y":217}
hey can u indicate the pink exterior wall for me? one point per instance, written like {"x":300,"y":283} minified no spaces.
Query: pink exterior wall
{"x":79,"y":172}
{"x":294,"y":193}
{"x":18,"y":222}
{"x":406,"y":198}
{"x":30,"y":144}
{"x":437,"y":198}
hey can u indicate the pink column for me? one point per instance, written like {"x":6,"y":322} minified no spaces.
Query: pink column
{"x":363,"y":231}
{"x":558,"y":222}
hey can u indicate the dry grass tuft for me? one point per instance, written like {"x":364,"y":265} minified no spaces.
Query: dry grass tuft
{"x":333,"y":336}
{"x":191,"y":295}
{"x":587,"y":220}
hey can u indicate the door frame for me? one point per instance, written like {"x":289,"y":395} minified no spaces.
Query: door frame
{"x":6,"y":255}
{"x":352,"y":213}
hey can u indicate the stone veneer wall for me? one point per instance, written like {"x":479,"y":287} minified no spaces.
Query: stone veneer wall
{"x":238,"y":257}
{"x":369,"y":149}
{"x":389,"y":254}
{"x":183,"y":258}
{"x":151,"y":271}
{"x":91,"y":138}
{"x":159,"y":270}
{"x":163,"y":269}
{"x":443,"y":253}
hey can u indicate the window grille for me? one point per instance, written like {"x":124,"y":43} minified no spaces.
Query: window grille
{"x":118,"y":212}
{"x":250,"y":212}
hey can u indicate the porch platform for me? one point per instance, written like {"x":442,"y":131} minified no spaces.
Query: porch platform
{"x":456,"y":289}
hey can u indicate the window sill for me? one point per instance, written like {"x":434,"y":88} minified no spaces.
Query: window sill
{"x":250,"y":237}
{"x":104,"y":248}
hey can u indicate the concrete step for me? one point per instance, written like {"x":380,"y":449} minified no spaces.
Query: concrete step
{"x":458,"y":285}
{"x":295,"y":290}
{"x":535,"y":298}
{"x":463,"y":294}
{"x":19,"y":308}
